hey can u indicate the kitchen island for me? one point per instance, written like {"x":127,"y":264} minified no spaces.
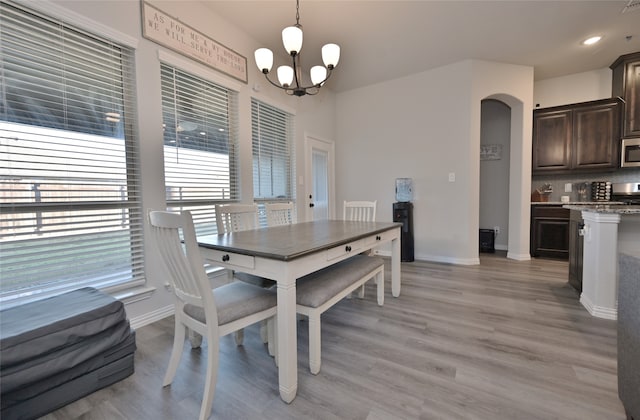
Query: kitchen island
{"x":608,"y":230}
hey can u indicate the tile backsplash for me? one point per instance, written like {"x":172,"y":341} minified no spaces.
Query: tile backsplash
{"x":558,"y":181}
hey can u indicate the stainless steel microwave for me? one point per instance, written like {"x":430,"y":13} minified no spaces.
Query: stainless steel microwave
{"x":630,"y":153}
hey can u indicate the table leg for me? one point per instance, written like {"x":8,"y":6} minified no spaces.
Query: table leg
{"x":287,"y":340}
{"x":395,"y":266}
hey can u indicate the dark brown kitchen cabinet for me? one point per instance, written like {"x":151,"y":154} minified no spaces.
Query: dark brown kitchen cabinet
{"x":551,"y":140}
{"x":549,"y":231}
{"x":576,"y":249}
{"x":626,"y":84}
{"x":577,"y":138}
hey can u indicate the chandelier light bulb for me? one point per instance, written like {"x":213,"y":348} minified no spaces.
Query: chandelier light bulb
{"x":292,"y":39}
{"x":318,"y":74}
{"x":285,"y":75}
{"x":331,"y":55}
{"x":264,"y":59}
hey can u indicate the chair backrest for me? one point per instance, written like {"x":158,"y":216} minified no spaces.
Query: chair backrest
{"x":184,"y":264}
{"x":361,"y":211}
{"x":236,"y":217}
{"x":279,"y":213}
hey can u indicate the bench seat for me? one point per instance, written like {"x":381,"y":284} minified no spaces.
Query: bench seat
{"x":318,"y":291}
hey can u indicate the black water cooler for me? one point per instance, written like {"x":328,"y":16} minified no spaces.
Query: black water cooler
{"x":403,"y":213}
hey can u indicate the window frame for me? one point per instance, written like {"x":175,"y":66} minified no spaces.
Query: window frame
{"x":72,"y":21}
{"x":203,"y":210}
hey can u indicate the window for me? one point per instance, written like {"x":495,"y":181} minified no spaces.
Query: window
{"x":69,"y":181}
{"x":200,"y":140}
{"x":272,"y":142}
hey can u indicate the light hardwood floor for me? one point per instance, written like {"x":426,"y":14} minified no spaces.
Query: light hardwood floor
{"x":502,"y":340}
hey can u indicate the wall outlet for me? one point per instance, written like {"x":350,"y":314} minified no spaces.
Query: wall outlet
{"x":567,"y":187}
{"x":452,"y":177}
{"x":496,"y":230}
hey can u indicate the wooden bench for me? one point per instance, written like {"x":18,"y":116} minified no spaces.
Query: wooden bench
{"x":317,"y":292}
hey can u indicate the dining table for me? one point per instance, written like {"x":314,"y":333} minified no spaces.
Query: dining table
{"x":288,"y":252}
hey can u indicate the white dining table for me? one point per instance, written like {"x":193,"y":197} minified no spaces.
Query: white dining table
{"x":286,"y":253}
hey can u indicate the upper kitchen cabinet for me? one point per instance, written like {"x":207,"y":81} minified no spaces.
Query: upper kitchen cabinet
{"x":577,"y":137}
{"x":626,"y":84}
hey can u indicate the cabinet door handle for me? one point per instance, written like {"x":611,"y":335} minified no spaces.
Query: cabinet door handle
{"x":225,"y":258}
{"x":347,"y":248}
{"x":378,"y":238}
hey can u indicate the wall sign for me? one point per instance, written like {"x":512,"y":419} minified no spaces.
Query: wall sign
{"x":491,"y":152}
{"x":169,"y":32}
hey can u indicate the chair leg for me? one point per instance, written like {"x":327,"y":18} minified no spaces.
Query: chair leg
{"x":315,"y":356}
{"x":239,"y":336}
{"x":194,"y":338}
{"x":264,"y":331}
{"x":210,"y":380}
{"x":272,"y":328}
{"x":380,"y":285}
{"x":361,"y":292}
{"x":176,"y":352}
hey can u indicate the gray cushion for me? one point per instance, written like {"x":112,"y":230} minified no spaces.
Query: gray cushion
{"x":236,"y":300}
{"x":316,"y":288}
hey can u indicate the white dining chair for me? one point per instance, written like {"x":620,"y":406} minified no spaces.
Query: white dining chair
{"x":279,"y":213}
{"x":211,"y":313}
{"x":236,"y":218}
{"x":360,"y":211}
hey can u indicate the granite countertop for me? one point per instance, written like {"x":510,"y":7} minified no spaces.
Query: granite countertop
{"x":582,"y":203}
{"x":605,"y":208}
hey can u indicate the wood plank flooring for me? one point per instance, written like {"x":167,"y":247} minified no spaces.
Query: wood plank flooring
{"x":502,"y":340}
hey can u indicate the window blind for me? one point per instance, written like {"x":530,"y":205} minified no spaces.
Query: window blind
{"x":69,"y":172}
{"x":200,"y":123}
{"x":272,"y":145}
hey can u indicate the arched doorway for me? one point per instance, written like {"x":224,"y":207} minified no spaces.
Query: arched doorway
{"x":495,"y":141}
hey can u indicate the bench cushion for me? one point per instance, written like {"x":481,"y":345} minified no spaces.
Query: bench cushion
{"x":317,"y":288}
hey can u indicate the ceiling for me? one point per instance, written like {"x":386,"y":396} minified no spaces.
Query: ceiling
{"x":384,"y":40}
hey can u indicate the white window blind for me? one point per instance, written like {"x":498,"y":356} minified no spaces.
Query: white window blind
{"x":200,"y":139}
{"x":272,"y":145}
{"x":69,"y":173}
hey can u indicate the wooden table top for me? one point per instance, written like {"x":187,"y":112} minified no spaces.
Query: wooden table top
{"x":296,"y":240}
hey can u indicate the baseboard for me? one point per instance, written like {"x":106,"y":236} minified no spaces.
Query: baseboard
{"x":518,"y":257}
{"x":151,"y":317}
{"x":436,"y":258}
{"x":598,"y":311}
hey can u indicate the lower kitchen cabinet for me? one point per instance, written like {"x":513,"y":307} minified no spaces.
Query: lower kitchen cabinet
{"x":576,"y":247}
{"x":550,"y":231}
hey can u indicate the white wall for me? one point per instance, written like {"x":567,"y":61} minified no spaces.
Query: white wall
{"x":574,"y":88}
{"x":427,"y":126}
{"x":314,"y":114}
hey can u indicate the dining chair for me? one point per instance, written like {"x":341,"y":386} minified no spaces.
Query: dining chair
{"x":211,"y":313}
{"x":360,"y":211}
{"x":279,"y":213}
{"x":235,"y":218}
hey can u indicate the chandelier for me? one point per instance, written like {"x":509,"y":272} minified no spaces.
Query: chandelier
{"x":290,"y":77}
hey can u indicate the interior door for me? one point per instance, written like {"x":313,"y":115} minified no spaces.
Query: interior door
{"x":320,"y":178}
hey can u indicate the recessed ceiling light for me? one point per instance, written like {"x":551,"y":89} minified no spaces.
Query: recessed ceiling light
{"x":592,"y":40}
